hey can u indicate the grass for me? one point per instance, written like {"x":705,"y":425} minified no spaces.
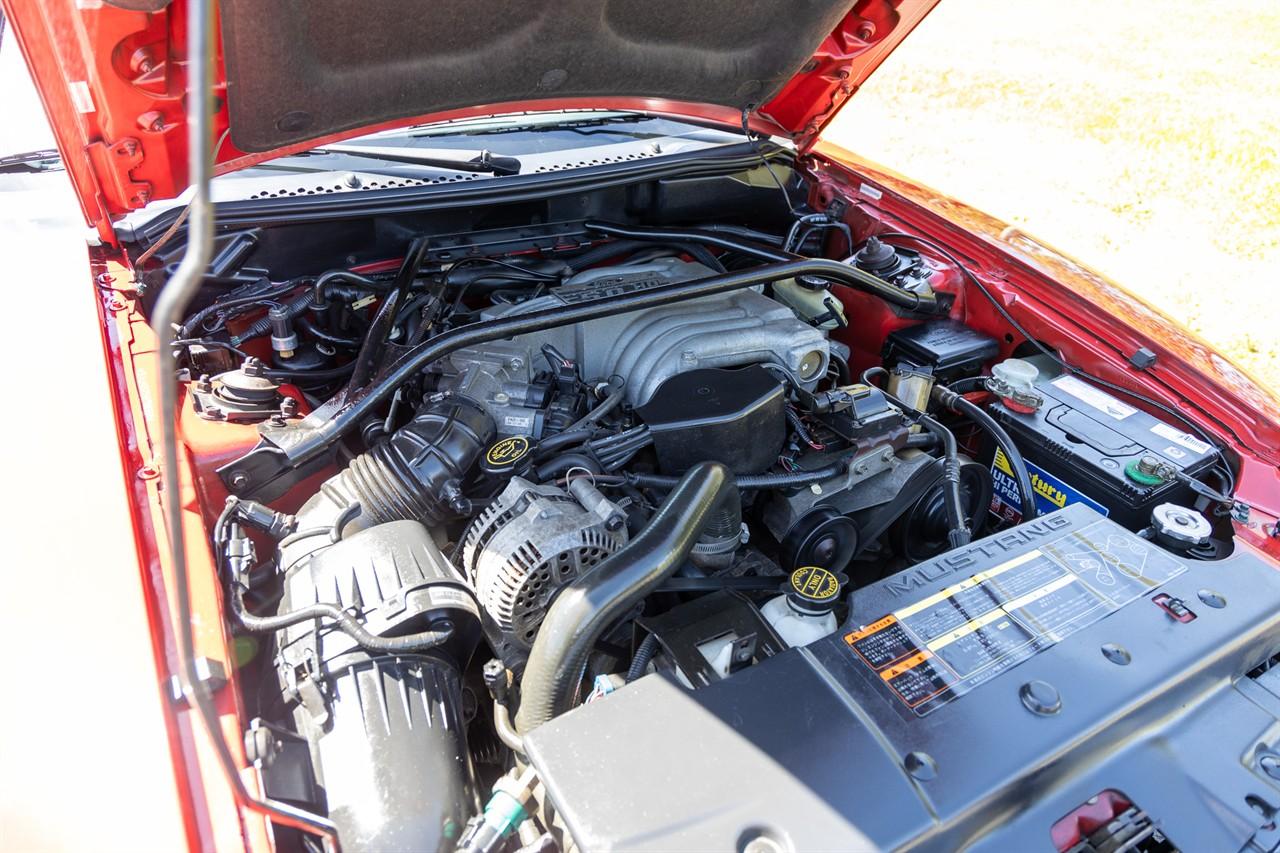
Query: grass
{"x":1140,"y":137}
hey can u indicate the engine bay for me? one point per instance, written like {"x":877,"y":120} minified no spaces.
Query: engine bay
{"x":487,"y":501}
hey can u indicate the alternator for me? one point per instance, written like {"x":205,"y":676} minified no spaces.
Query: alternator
{"x":530,"y":542}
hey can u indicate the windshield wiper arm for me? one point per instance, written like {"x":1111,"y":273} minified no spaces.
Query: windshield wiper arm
{"x":32,"y":161}
{"x":482,"y":162}
{"x":578,"y":125}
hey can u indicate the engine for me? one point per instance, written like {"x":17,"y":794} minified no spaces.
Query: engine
{"x":558,"y":477}
{"x":642,"y":349}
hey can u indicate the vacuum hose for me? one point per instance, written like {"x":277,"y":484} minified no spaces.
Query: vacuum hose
{"x":949,"y":399}
{"x":953,"y":502}
{"x":594,"y":601}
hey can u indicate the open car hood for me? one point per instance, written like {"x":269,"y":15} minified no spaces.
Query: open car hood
{"x":293,"y":74}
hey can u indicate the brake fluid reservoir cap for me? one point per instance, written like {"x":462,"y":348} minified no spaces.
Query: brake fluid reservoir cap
{"x":813,"y":590}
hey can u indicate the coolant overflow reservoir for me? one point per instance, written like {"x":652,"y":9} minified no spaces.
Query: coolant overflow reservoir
{"x":817,"y":306}
{"x":805,"y":612}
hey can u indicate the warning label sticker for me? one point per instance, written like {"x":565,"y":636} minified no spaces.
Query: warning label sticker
{"x":1100,"y":400}
{"x":1050,"y":492}
{"x":1185,"y":439}
{"x":944,"y":645}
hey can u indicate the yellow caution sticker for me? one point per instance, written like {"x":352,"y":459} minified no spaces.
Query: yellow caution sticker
{"x":951,"y":641}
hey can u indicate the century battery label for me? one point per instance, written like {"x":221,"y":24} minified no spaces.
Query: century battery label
{"x":944,"y":645}
{"x":1050,"y":492}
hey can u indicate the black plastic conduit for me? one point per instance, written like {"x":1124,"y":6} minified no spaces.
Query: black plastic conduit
{"x":343,"y":620}
{"x":951,"y":400}
{"x":594,"y":601}
{"x":691,"y":235}
{"x":957,"y":520}
{"x":744,"y":481}
{"x":854,"y":277}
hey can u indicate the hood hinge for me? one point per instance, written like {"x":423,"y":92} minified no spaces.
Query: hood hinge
{"x":112,"y":163}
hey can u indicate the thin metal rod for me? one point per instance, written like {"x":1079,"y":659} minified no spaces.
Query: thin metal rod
{"x":169,"y":309}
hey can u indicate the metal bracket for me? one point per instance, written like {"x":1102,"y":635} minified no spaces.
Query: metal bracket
{"x":211,"y":675}
{"x":112,"y":163}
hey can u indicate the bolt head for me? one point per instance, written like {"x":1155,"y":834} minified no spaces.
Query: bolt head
{"x":1040,"y":697}
{"x":239,"y":480}
{"x":260,"y":746}
{"x":921,"y":765}
{"x":151,"y":121}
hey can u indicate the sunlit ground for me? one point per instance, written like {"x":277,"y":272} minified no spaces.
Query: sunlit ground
{"x":1139,"y":137}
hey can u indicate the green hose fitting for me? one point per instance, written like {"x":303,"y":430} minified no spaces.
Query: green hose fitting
{"x":504,"y":813}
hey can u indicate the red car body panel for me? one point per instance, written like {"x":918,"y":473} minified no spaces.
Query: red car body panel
{"x":112,"y":82}
{"x":1050,"y":294}
{"x":96,"y":50}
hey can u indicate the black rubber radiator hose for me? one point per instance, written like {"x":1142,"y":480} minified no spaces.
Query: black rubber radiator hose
{"x":586,"y":607}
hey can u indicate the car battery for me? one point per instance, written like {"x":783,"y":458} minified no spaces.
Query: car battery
{"x":1084,"y":445}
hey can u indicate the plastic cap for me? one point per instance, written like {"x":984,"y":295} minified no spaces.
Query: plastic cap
{"x":814,"y":590}
{"x":1017,"y":374}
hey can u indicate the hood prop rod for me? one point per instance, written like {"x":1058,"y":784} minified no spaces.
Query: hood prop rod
{"x":170,"y":307}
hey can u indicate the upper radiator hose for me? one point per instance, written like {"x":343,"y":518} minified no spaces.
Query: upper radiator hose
{"x":597,"y":599}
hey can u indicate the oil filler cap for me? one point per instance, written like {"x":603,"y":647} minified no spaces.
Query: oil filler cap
{"x":814,"y":590}
{"x":510,"y":456}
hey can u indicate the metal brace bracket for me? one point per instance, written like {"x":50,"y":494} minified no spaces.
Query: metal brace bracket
{"x":112,"y":163}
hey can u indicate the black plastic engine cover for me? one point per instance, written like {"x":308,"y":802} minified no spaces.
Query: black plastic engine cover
{"x":969,"y":702}
{"x":736,"y":417}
